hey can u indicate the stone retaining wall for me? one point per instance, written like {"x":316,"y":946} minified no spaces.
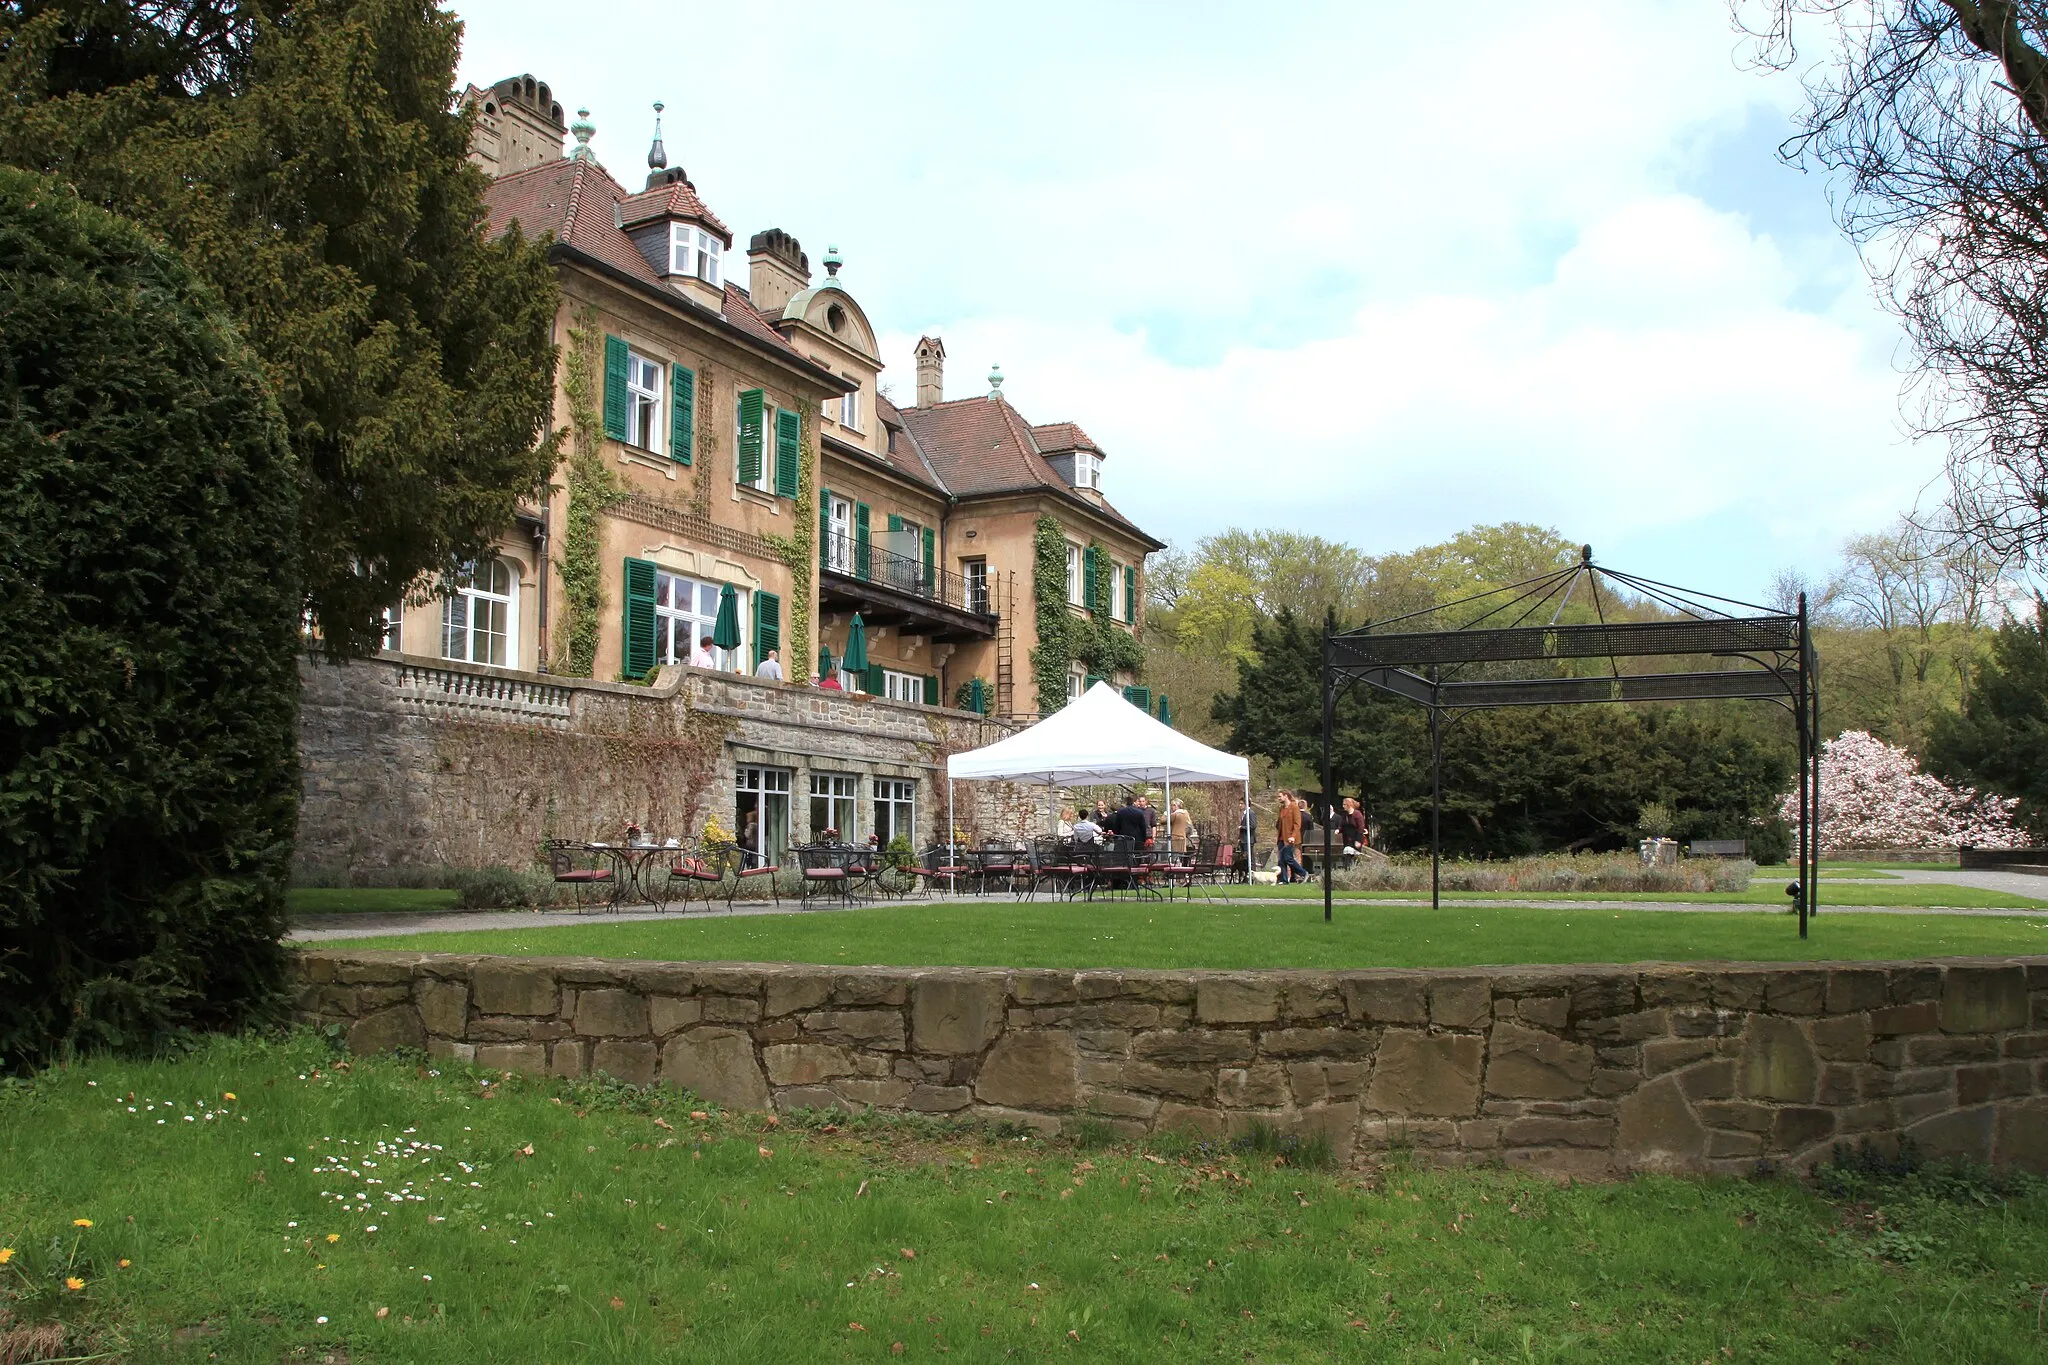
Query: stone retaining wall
{"x":1571,"y":1070}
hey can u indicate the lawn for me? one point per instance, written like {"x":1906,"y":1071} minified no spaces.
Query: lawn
{"x":1122,"y":934}
{"x":256,"y":1202}
{"x":365,"y":900}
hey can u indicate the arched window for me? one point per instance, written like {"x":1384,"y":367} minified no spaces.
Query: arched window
{"x":480,"y":618}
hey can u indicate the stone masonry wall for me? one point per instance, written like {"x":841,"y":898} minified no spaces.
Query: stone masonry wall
{"x":1571,"y":1070}
{"x":414,"y":764}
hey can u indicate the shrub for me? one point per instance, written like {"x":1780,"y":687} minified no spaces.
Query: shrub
{"x":499,"y":888}
{"x":148,"y":643}
{"x":1552,"y":872}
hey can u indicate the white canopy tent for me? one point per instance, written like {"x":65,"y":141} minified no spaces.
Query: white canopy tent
{"x":1099,"y":737}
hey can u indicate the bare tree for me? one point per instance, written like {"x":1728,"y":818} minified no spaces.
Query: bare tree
{"x":1934,"y":113}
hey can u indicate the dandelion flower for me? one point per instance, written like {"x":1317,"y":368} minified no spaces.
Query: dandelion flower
{"x":227,"y":1094}
{"x":6,"y":1255}
{"x":81,"y":1222}
{"x":73,"y":1283}
{"x":334,"y":1237}
{"x":125,"y":1263}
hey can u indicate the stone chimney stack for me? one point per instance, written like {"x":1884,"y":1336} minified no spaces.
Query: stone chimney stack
{"x":777,"y":270}
{"x":519,"y":124}
{"x":931,"y":372}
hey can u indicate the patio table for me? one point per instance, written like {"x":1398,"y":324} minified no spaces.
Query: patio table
{"x":630,"y":863}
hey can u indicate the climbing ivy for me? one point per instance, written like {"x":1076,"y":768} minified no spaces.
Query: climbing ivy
{"x":592,"y":489}
{"x":1064,"y":638}
{"x":799,"y":550}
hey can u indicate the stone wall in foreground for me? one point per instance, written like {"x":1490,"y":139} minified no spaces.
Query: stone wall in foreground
{"x":1570,"y":1070}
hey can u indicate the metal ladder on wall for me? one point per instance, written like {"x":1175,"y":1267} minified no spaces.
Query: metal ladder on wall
{"x":1006,"y":647}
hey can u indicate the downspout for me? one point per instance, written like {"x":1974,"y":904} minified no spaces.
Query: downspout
{"x":540,"y":540}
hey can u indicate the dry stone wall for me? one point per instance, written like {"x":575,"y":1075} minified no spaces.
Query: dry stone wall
{"x":1571,"y":1070}
{"x":412,"y":764}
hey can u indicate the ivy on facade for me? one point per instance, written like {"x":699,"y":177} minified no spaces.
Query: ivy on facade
{"x":1065,"y":638}
{"x":799,"y":550}
{"x":592,"y":489}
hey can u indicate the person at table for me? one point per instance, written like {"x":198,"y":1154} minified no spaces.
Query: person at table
{"x":1066,"y":822}
{"x":1128,"y":822}
{"x":770,"y":667}
{"x":1101,"y":816}
{"x":1151,"y":819}
{"x":1180,"y":827}
{"x":700,"y":655}
{"x":1287,"y":829}
{"x":1085,"y":830}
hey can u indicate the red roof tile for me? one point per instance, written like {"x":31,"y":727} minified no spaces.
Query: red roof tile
{"x":903,"y":454}
{"x":676,"y":199}
{"x":571,"y":200}
{"x":739,"y":310}
{"x":1058,"y":437}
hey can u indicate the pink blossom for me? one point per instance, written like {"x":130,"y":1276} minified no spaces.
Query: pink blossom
{"x":1874,"y":795}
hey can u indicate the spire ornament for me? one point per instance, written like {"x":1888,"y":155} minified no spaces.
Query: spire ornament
{"x":995,"y":382}
{"x":582,"y":130}
{"x":657,"y":157}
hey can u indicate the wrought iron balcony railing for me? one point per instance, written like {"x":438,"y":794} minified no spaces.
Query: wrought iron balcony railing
{"x":872,"y":563}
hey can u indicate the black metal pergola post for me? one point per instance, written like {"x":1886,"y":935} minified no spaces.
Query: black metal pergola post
{"x":1761,"y":655}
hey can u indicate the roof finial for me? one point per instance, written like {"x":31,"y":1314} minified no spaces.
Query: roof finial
{"x":995,"y":382}
{"x":582,"y":130}
{"x":832,"y":263}
{"x":657,"y":157}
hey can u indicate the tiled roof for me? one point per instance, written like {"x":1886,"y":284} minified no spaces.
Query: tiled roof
{"x":904,"y":456}
{"x":981,"y":446}
{"x":572,"y":200}
{"x":1056,"y":437}
{"x":676,"y":199}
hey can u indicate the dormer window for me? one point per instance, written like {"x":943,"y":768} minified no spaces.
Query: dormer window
{"x":1087,"y":470}
{"x":693,"y":251}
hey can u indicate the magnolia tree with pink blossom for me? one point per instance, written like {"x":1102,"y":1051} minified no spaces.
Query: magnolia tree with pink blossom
{"x":1874,"y":795}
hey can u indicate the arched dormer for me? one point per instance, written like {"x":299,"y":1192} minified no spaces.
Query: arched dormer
{"x":830,"y":310}
{"x":824,"y":323}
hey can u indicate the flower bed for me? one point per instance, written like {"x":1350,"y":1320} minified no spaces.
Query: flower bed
{"x":1552,"y":872}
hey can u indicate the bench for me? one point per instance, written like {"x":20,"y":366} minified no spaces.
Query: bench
{"x":1719,"y":848}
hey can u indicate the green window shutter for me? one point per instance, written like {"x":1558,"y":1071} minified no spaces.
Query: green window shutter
{"x":1088,"y":683}
{"x":1140,"y":697}
{"x":931,"y":690}
{"x":751,"y":416}
{"x":931,"y":555}
{"x":1088,"y":578}
{"x":767,"y":624}
{"x":636,"y":652}
{"x":824,"y":528}
{"x":860,"y":540}
{"x":876,"y":685}
{"x":1131,"y":593}
{"x":617,"y":401}
{"x":682,"y":421}
{"x":788,"y":463}
{"x":895,"y":525}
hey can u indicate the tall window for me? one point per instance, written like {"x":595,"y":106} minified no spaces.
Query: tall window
{"x":1074,"y":575}
{"x":480,"y":618}
{"x":693,"y":251}
{"x":394,"y":623}
{"x":975,"y":571}
{"x":761,"y":813}
{"x":1087,"y":470}
{"x":686,"y":611}
{"x":902,"y":686}
{"x":835,"y":804}
{"x":895,"y":810}
{"x":839,"y":527}
{"x":1077,"y":682}
{"x":643,"y":418}
{"x":849,"y":410}
{"x":1116,"y":591}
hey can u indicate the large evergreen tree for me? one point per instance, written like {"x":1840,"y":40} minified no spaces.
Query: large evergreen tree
{"x":1999,"y":742}
{"x":148,"y":642}
{"x":306,"y":157}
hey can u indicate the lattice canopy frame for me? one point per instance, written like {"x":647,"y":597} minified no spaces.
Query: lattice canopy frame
{"x":1757,"y":654}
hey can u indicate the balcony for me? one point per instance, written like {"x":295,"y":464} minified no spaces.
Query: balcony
{"x":891,"y":589}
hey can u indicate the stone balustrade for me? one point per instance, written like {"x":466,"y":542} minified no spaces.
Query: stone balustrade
{"x":1585,"y":1071}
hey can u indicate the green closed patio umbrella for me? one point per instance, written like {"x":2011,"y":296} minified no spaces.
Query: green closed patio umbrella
{"x":855,"y":659}
{"x":824,"y":662}
{"x":725,"y":632}
{"x":1165,"y":710}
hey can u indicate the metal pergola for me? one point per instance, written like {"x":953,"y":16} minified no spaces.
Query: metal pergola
{"x":1763,"y":655}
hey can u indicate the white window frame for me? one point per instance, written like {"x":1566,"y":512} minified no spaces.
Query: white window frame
{"x":708,"y":257}
{"x":839,"y":529}
{"x":678,"y":626}
{"x":840,"y":793}
{"x":693,"y":251}
{"x":848,"y":415}
{"x":1087,"y":470}
{"x":394,"y":626}
{"x":767,"y":786}
{"x":1074,"y":575}
{"x":899,"y":796}
{"x":471,"y":613}
{"x":1077,"y":682}
{"x":644,"y":399}
{"x":766,"y":483}
{"x":974,"y":575}
{"x":903,"y":686}
{"x":1116,"y":591}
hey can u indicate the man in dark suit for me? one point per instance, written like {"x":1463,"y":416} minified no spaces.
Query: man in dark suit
{"x":1129,"y":822}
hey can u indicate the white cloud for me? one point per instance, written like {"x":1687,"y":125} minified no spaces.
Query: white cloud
{"x":1358,"y":270}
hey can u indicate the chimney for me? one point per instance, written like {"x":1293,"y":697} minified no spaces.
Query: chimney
{"x":777,"y":270}
{"x":931,"y":372}
{"x":519,"y":124}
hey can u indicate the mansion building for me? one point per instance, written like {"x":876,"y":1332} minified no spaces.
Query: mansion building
{"x":726,"y":421}
{"x":733,"y":482}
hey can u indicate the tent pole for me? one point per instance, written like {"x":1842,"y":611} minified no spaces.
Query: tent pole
{"x":1436,"y":795}
{"x":1329,"y":797}
{"x":952,"y":854}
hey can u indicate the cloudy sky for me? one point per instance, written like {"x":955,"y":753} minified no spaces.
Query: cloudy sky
{"x":1340,"y":270}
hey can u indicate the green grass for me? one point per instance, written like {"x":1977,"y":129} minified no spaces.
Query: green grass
{"x":1759,"y":892}
{"x":365,"y":900}
{"x":608,"y":1225}
{"x":1037,"y":934}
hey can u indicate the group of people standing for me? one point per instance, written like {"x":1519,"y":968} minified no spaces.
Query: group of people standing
{"x":1136,"y":819}
{"x":1350,"y":829}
